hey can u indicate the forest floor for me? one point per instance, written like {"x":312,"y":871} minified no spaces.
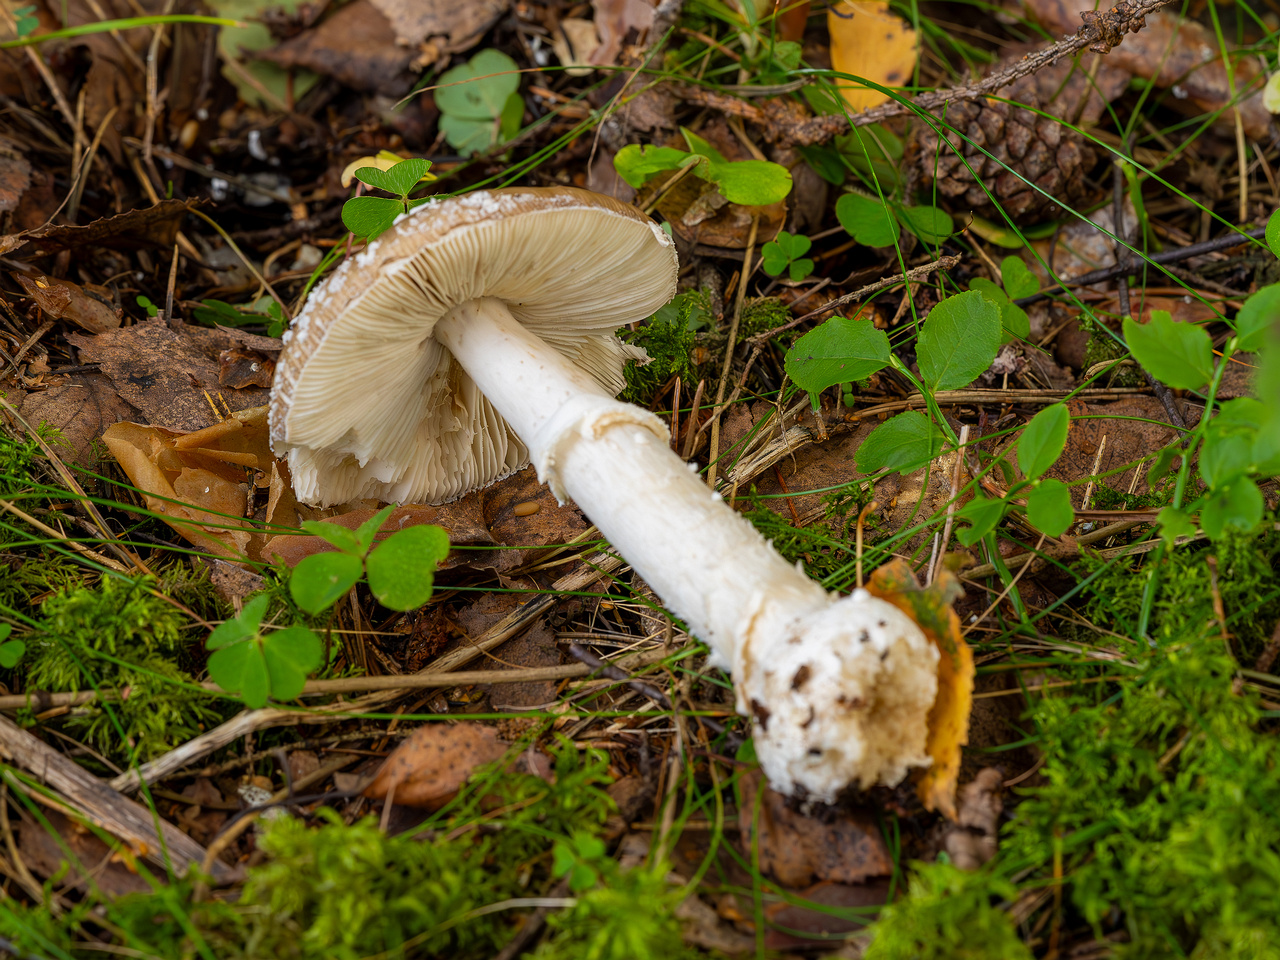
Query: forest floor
{"x":977,"y":305}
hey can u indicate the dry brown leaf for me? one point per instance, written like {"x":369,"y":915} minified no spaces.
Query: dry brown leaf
{"x":931,"y":608}
{"x":356,"y":46}
{"x":154,"y":226}
{"x":81,"y":406}
{"x":796,"y":850}
{"x":614,"y":20}
{"x":171,"y":375}
{"x":429,"y":768}
{"x":971,"y":840}
{"x":870,"y":42}
{"x":15,"y":175}
{"x":64,"y":300}
{"x":208,"y":473}
{"x":461,"y":25}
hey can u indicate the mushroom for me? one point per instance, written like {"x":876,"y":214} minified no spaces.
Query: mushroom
{"x":478,"y":334}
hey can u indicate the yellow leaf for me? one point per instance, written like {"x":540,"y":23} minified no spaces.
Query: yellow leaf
{"x":869,"y":42}
{"x":931,"y":608}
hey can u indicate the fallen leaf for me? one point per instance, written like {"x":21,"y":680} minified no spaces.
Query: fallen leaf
{"x":931,"y":608}
{"x":1134,"y":427}
{"x":614,"y":20}
{"x":80,"y":406}
{"x":239,"y":367}
{"x":431,"y":765}
{"x":154,"y":226}
{"x":172,"y":376}
{"x":793,"y":923}
{"x":870,"y":42}
{"x":64,"y":300}
{"x":356,"y":46}
{"x":461,"y":25}
{"x":76,"y":856}
{"x":844,"y":846}
{"x":574,"y":43}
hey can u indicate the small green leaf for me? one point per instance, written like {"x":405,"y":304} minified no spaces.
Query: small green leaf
{"x":478,"y":89}
{"x":1174,"y":523}
{"x":1225,"y":456}
{"x":982,"y":515}
{"x":867,"y":221}
{"x":240,"y":669}
{"x":1258,"y":314}
{"x":1273,"y":233}
{"x":1049,"y":507}
{"x":370,"y":217}
{"x":825,"y":161}
{"x":752,"y":183}
{"x":1160,"y":468}
{"x":402,"y":567}
{"x":638,"y":163}
{"x":399,"y":179}
{"x":11,"y":652}
{"x":1238,"y":505}
{"x":368,"y":530}
{"x":903,"y":443}
{"x":1019,"y":281}
{"x":773,"y":259}
{"x":701,"y":147}
{"x":1016,"y":323}
{"x":800,"y":269}
{"x":1179,"y":355}
{"x":928,"y":223}
{"x":512,"y":117}
{"x":290,"y":655}
{"x":242,"y":626}
{"x":839,"y":351}
{"x":958,"y":340}
{"x":322,"y":579}
{"x":1042,"y":441}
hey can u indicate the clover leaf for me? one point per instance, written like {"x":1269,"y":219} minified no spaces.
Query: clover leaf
{"x":479,"y":102}
{"x":787,"y":252}
{"x":259,"y":665}
{"x":11,"y":651}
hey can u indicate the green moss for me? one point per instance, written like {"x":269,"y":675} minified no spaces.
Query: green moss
{"x":669,"y":341}
{"x":118,"y":634}
{"x":1103,"y":347}
{"x":825,"y":548}
{"x":948,"y":915}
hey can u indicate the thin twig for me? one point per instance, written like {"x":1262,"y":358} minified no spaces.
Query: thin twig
{"x":730,"y":346}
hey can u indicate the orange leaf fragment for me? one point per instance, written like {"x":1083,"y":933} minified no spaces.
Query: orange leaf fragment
{"x":430,"y":767}
{"x":870,"y":42}
{"x":931,"y":608}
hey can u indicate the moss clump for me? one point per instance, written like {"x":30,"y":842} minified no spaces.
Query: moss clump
{"x":119,"y":634}
{"x":1106,"y":498}
{"x":948,"y":915}
{"x":825,"y":548}
{"x":669,"y":340}
{"x":760,"y":314}
{"x":1103,"y":347}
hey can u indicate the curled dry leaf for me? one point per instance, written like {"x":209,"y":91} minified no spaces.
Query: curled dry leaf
{"x":154,"y":226}
{"x":458,"y":25}
{"x":199,"y":482}
{"x":931,"y":608}
{"x":64,"y":300}
{"x":614,"y":20}
{"x":356,"y":45}
{"x":429,"y":768}
{"x":971,"y":840}
{"x":870,"y":42}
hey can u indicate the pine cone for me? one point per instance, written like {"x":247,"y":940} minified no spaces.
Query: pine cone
{"x":1023,"y":146}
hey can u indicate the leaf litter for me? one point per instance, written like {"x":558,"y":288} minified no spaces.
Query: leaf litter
{"x":255,"y":130}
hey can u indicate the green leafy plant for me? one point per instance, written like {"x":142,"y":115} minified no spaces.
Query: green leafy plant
{"x":479,"y":102}
{"x":265,"y":311}
{"x":25,"y":20}
{"x":1018,"y":282}
{"x":1238,"y":446}
{"x":874,"y":223}
{"x":146,"y":304}
{"x":259,"y":665}
{"x":11,"y":651}
{"x":787,"y":252}
{"x":369,"y":217}
{"x":748,"y":182}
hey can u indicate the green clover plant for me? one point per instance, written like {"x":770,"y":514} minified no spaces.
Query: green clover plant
{"x":747,"y":182}
{"x":11,"y":651}
{"x":787,"y":252}
{"x":258,"y":664}
{"x":368,"y":217}
{"x":26,"y":20}
{"x":874,"y":222}
{"x":479,"y":102}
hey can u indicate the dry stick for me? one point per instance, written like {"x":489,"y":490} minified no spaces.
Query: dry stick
{"x":951,"y":504}
{"x":739,"y":300}
{"x":153,"y":87}
{"x":86,"y":795}
{"x":1168,"y":256}
{"x":317,"y":688}
{"x":915,"y":273}
{"x":252,"y":720}
{"x":1093,"y":475}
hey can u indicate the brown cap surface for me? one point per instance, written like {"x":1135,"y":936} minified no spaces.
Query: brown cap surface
{"x":367,"y":404}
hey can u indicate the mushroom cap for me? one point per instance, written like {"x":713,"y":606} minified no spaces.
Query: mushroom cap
{"x":367,"y":404}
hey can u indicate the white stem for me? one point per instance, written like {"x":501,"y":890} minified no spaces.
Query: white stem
{"x":839,"y":687}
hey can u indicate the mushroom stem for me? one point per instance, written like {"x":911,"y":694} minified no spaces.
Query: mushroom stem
{"x":839,"y":688}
